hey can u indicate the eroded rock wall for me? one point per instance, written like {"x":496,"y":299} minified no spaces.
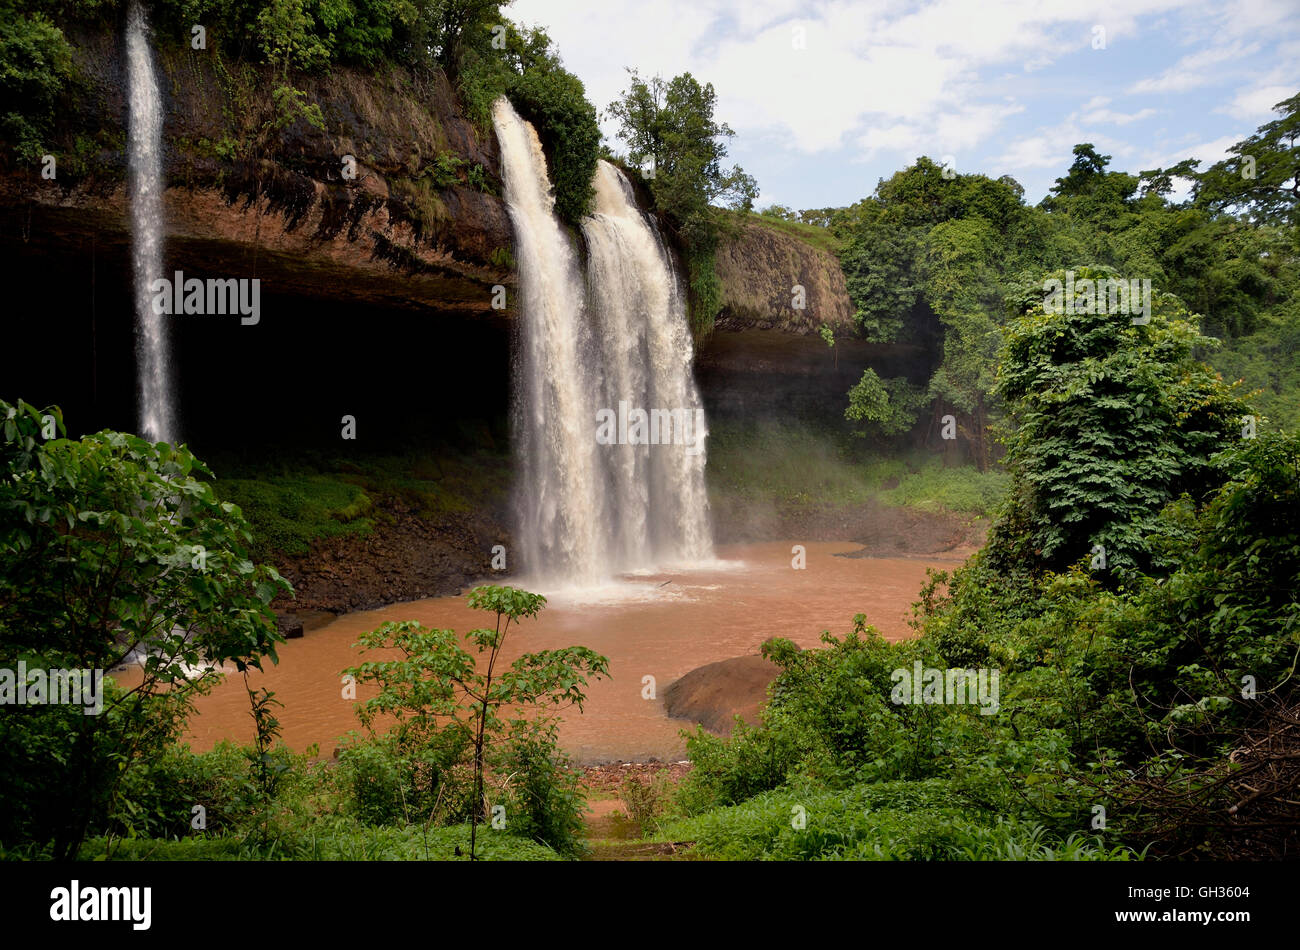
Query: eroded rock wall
{"x":409,"y":229}
{"x":759,"y":266}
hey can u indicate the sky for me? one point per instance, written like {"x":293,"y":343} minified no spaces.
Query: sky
{"x":827,"y":98}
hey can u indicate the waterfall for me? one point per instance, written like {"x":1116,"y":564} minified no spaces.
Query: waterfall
{"x":615,"y":340}
{"x":145,"y":184}
{"x":639,"y":308}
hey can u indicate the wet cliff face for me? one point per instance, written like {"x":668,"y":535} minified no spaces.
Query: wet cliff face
{"x":754,"y":374}
{"x":766,"y":358}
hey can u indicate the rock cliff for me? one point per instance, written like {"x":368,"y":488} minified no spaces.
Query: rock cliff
{"x":760,"y":268}
{"x":412,"y":219}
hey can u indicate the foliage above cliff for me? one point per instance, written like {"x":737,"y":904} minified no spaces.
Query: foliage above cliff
{"x":782,"y":219}
{"x":35,"y":63}
{"x":555,"y":101}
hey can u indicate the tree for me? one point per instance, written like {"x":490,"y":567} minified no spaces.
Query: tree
{"x":1199,"y":666}
{"x":889,"y":406}
{"x":1264,"y":174}
{"x":671,"y":124}
{"x":1098,"y":201}
{"x":962,"y":289}
{"x":287,"y":33}
{"x":780,"y":213}
{"x":438,"y":688}
{"x":882,"y":275}
{"x":820,"y":217}
{"x":1160,"y":181}
{"x":669,"y":128}
{"x":1084,"y":175}
{"x":443,"y":32}
{"x":112,"y":547}
{"x":921,"y":195}
{"x":555,"y":101}
{"x":925,"y":262}
{"x":1113,"y":421}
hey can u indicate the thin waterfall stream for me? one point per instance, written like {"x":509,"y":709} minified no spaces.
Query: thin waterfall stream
{"x":157,"y":411}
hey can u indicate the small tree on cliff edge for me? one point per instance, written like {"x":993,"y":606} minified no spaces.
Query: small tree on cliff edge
{"x":670,"y":123}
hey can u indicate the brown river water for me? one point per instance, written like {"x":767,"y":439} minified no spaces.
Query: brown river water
{"x":662,"y":625}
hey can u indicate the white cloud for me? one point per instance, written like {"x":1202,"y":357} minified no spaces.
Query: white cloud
{"x":1259,"y":18}
{"x":1194,"y":69}
{"x":1094,"y":112}
{"x":1208,"y":152}
{"x":1213,"y":151}
{"x":1257,"y":103}
{"x":755,"y":15}
{"x":1034,"y":151}
{"x":912,"y":65}
{"x":887,"y":79}
{"x":1052,"y":147}
{"x":1110,"y":117}
{"x":944,"y":133}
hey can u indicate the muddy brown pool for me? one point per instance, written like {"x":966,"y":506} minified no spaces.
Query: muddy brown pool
{"x":662,"y":625}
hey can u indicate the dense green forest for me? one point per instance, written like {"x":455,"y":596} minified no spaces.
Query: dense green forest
{"x":1132,"y":616}
{"x":937,"y":255}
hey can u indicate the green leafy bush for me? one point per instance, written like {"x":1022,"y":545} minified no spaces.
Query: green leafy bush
{"x":329,"y":839}
{"x":540,"y":791}
{"x":158,"y":800}
{"x":443,"y":711}
{"x":889,"y":821}
{"x":556,"y":102}
{"x":1113,"y":421}
{"x":112,"y":547}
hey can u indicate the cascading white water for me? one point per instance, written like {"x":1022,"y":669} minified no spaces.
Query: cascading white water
{"x":639,"y":310}
{"x":587,"y":510}
{"x":144,"y":180}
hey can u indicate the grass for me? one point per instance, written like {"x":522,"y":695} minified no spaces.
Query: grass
{"x":288,"y":513}
{"x":293,"y":504}
{"x":931,"y":487}
{"x":923,"y":819}
{"x":313,"y":815}
{"x":885,"y":821}
{"x":437,"y":484}
{"x":330,"y":840}
{"x":791,"y":465}
{"x":818,"y":237}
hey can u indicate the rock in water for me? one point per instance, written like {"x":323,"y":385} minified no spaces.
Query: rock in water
{"x":715,"y":694}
